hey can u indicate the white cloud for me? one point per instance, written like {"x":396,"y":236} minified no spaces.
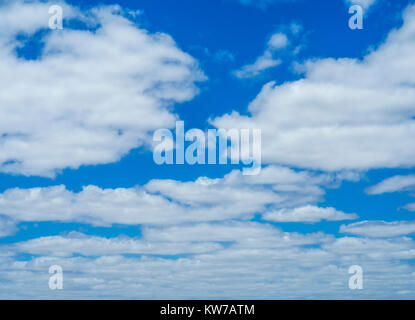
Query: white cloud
{"x":29,"y":16}
{"x":267,"y":60}
{"x":166,"y":202}
{"x":278,"y":41}
{"x":280,"y":264}
{"x":262,"y":63}
{"x":376,"y":249}
{"x":77,"y":243}
{"x":7,"y":226}
{"x":345,"y":113}
{"x":190,"y":219}
{"x":392,"y":184}
{"x":379,"y":229}
{"x":239,"y":234}
{"x":91,"y":205}
{"x":91,"y":96}
{"x":185,"y":239}
{"x":310,"y":214}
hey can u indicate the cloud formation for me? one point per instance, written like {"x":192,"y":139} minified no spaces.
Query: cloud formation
{"x":392,"y":184}
{"x":379,"y":229}
{"x":284,"y":265}
{"x":309,"y":214}
{"x":344,"y":114}
{"x":274,"y":52}
{"x":199,"y":237}
{"x":166,"y":202}
{"x":92,"y":93}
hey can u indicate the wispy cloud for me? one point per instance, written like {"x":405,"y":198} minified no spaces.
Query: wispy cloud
{"x":380,"y":229}
{"x":392,"y":184}
{"x":271,"y":56}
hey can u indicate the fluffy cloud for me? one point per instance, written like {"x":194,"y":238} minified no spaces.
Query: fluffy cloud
{"x":310,"y":214}
{"x":206,"y":221}
{"x":165,"y":202}
{"x":379,"y":229}
{"x":278,"y":263}
{"x":185,"y":239}
{"x":345,"y":113}
{"x":91,"y":95}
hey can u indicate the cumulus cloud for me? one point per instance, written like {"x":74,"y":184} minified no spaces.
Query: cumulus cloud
{"x":197,"y":240}
{"x":91,"y":95}
{"x":185,"y":239}
{"x":281,"y":264}
{"x":310,"y":214}
{"x":345,"y":113}
{"x":165,"y":202}
{"x":379,"y":229}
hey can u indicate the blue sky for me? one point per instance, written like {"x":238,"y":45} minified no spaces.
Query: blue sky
{"x":79,"y":187}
